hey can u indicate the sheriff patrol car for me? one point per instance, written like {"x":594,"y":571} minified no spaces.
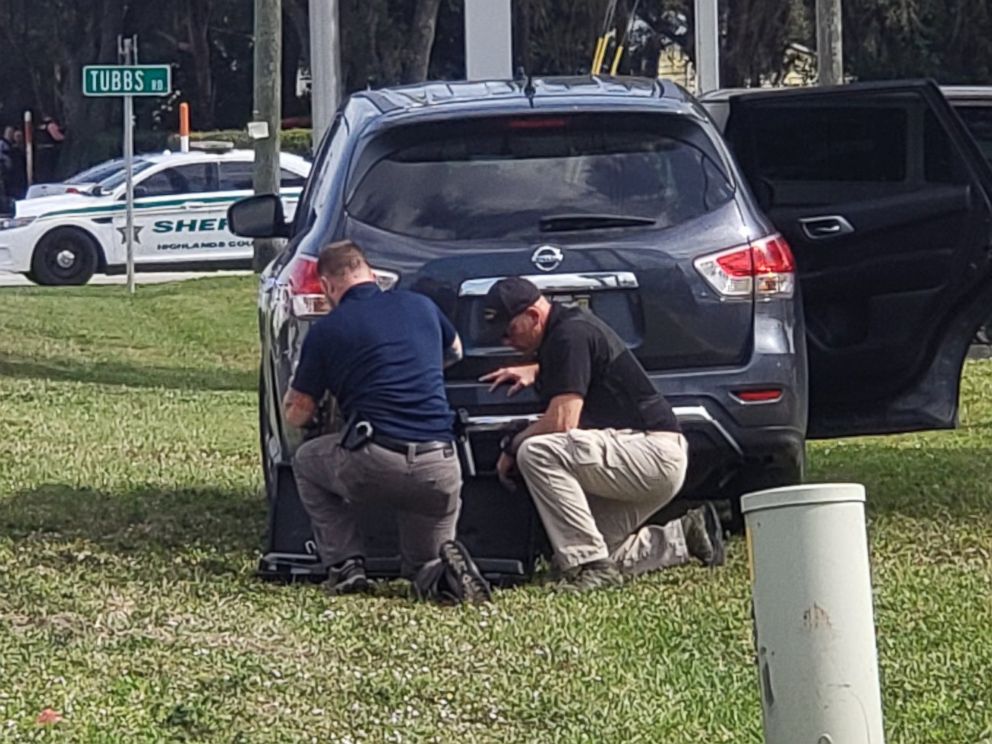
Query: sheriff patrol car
{"x":180,"y":219}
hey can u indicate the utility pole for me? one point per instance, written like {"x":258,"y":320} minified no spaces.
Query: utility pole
{"x":829,"y":43}
{"x":707,"y":57}
{"x":127,"y":53}
{"x":488,"y":40}
{"x":325,"y":65}
{"x":267,"y":112}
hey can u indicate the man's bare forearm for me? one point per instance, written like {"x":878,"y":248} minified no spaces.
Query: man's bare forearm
{"x":564,"y":413}
{"x":298,"y":408}
{"x":454,"y":353}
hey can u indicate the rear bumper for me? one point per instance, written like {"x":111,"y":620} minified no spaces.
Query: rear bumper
{"x":502,"y":530}
{"x":719,"y":446}
{"x":726,"y":437}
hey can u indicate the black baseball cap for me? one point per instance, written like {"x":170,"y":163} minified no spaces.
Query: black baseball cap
{"x":508,"y":298}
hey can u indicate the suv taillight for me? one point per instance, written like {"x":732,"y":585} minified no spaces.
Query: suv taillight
{"x":306,"y":294}
{"x":763,"y":269}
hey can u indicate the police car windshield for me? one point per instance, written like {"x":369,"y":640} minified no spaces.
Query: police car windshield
{"x":113,"y":181}
{"x":98,"y":172}
{"x":506,"y":176}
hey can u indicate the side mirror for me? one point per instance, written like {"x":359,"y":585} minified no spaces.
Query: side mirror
{"x":258,"y":217}
{"x":140,"y":191}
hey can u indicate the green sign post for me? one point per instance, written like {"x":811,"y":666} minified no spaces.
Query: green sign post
{"x":127,"y":80}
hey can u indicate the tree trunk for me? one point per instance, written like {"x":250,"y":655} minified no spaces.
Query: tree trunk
{"x":85,"y":117}
{"x":198,"y":35}
{"x":421,"y":40}
{"x":298,"y":15}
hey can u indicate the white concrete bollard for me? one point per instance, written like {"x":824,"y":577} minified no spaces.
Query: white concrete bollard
{"x":813,"y":623}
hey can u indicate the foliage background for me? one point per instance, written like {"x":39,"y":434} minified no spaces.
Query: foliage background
{"x":385,"y":42}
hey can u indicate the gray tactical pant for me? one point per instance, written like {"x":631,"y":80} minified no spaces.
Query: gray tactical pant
{"x":595,"y":488}
{"x":423,"y":490}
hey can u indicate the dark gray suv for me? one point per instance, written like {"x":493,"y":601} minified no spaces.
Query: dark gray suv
{"x":623,"y":195}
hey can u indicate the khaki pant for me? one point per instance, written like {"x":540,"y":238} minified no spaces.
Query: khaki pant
{"x":594,"y":488}
{"x":424,"y":490}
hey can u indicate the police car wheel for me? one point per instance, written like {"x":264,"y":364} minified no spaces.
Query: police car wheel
{"x":64,"y":257}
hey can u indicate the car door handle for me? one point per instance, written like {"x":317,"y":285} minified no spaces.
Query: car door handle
{"x":195,"y":205}
{"x":827,"y":226}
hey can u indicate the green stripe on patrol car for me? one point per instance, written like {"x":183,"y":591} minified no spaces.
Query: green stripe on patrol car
{"x":120,"y":207}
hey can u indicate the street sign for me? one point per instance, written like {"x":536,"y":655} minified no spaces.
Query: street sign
{"x":127,"y":80}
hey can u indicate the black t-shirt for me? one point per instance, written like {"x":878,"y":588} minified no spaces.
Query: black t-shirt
{"x":581,"y":354}
{"x":381,"y":354}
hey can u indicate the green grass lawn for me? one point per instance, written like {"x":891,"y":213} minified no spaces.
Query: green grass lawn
{"x":131,"y":519}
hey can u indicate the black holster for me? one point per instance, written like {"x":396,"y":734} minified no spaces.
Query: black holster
{"x":357,"y":433}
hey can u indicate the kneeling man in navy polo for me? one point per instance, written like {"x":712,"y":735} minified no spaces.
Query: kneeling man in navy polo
{"x":382,"y":356}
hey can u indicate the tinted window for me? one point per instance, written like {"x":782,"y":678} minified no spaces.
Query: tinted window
{"x":323,"y":174}
{"x":184,"y":179}
{"x":978,"y":119}
{"x":236,"y":176}
{"x":491,"y":178}
{"x":97,"y":172}
{"x":290,"y":180}
{"x":940,"y":164}
{"x":812,"y":143}
{"x":112,"y":182}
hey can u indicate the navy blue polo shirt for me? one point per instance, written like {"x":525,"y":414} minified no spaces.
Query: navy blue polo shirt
{"x":381,"y":354}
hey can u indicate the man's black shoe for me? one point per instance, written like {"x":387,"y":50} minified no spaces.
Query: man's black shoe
{"x":704,"y":535}
{"x":348,"y":577}
{"x":599,"y":574}
{"x":464,"y":581}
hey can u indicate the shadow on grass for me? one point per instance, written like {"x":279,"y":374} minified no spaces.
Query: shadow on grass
{"x":116,"y":373}
{"x":918,"y":483}
{"x":143,"y":521}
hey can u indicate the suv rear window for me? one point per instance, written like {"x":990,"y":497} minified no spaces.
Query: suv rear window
{"x":500,"y":177}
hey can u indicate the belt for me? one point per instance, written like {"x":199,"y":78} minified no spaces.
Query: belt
{"x":403,"y":447}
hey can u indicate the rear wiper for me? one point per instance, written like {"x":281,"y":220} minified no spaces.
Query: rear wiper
{"x":565,"y":222}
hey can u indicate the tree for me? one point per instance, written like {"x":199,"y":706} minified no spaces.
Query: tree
{"x":558,"y":36}
{"x":949,"y":40}
{"x":387,"y":42}
{"x":53,"y":44}
{"x":181,"y":32}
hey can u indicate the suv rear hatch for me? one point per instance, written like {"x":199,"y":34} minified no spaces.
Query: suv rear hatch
{"x":631,"y":214}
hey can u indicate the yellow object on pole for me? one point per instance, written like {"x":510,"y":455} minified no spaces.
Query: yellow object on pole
{"x":595,"y":55}
{"x":616,"y":61}
{"x":598,"y":64}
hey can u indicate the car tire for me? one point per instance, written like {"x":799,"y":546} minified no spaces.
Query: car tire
{"x":64,"y":257}
{"x":759,"y":477}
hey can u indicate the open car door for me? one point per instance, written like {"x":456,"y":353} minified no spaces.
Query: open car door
{"x":885,"y":199}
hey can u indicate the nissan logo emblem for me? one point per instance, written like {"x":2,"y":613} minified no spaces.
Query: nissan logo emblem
{"x":547,"y":257}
